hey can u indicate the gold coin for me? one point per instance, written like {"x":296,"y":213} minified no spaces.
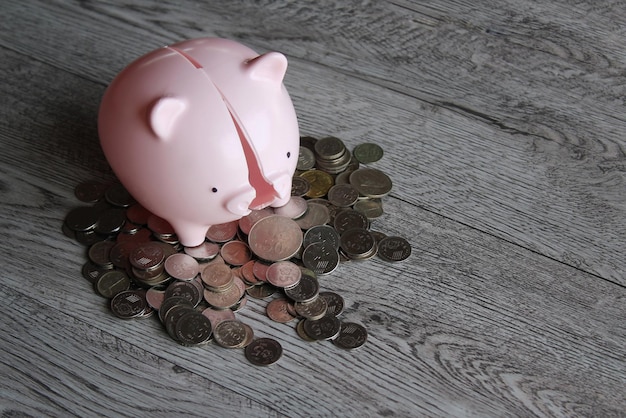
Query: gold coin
{"x":320,"y":182}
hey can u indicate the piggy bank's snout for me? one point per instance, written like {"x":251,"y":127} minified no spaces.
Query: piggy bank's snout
{"x":240,"y":204}
{"x":282,"y":189}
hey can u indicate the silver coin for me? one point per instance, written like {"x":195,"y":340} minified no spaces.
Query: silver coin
{"x":368,"y":153}
{"x":294,"y":208}
{"x":358,"y":243}
{"x":343,"y":195}
{"x":306,"y":290}
{"x":186,"y":290}
{"x":315,"y":214}
{"x":100,"y":254}
{"x":118,"y":196}
{"x":182,"y":266}
{"x":111,"y":221}
{"x":371,"y":182}
{"x":313,"y":309}
{"x":306,"y":159}
{"x":129,"y":304}
{"x":193,"y":328}
{"x":275,"y":238}
{"x":325,"y":328}
{"x":320,"y":257}
{"x":334,"y":302}
{"x":350,"y":219}
{"x":351,"y":335}
{"x":83,"y":218}
{"x":394,"y":249}
{"x":321,"y":233}
{"x":300,"y":186}
{"x":371,"y":208}
{"x":111,"y":283}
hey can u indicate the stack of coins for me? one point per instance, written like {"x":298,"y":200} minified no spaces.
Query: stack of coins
{"x":136,"y":261}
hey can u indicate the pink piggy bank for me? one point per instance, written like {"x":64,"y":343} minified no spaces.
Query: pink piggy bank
{"x":201,"y":132}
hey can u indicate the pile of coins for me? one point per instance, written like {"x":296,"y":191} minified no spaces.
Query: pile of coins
{"x":136,"y":261}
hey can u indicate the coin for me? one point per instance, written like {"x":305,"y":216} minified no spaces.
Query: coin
{"x":313,"y":309}
{"x":316,"y":214}
{"x":394,"y":249}
{"x":182,"y":266}
{"x":368,"y":153}
{"x":351,"y":335}
{"x":111,"y":283}
{"x":371,"y":182}
{"x":83,"y":218}
{"x":147,"y":256}
{"x":300,"y":186}
{"x":261,"y":291}
{"x":225,"y":298}
{"x":193,"y":328}
{"x":186,"y":290}
{"x":302,"y":333}
{"x":321,"y":233}
{"x":90,"y":191}
{"x":110,"y":221}
{"x":118,"y":196}
{"x":326,"y":328}
{"x":203,"y":252}
{"x":320,"y":257}
{"x":306,"y":159}
{"x":319,"y":181}
{"x":100,"y":254}
{"x":358,"y":244}
{"x":278,"y":310}
{"x":275,"y":238}
{"x":137,"y":214}
{"x":306,"y":290}
{"x":343,"y":195}
{"x":235,"y":253}
{"x":217,"y":277}
{"x":247,"y":222}
{"x":371,"y":208}
{"x":284,"y":274}
{"x":218,"y":315}
{"x":92,"y":271}
{"x":295,"y":208}
{"x":155,"y":297}
{"x":230,"y":333}
{"x":334,"y":302}
{"x":222,"y":232}
{"x":263,"y":351}
{"x":129,"y":304}
{"x":350,"y":219}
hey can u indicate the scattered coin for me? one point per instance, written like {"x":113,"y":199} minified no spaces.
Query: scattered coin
{"x":136,"y":261}
{"x":263,"y":351}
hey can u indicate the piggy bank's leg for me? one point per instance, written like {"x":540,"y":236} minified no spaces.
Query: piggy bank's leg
{"x":189,"y":234}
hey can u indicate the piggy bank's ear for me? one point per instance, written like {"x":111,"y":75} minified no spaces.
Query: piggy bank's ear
{"x":164,"y":114}
{"x":271,"y":66}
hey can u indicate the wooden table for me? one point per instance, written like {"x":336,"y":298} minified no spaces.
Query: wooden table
{"x":503,"y":128}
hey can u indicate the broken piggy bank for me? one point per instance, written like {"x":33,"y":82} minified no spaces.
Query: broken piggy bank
{"x":200,"y":132}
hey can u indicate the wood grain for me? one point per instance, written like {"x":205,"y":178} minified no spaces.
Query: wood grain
{"x":502,"y":128}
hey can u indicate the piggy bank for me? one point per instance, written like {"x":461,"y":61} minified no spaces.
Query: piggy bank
{"x":200,"y":132}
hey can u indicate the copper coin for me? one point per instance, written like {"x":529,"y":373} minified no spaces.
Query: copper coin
{"x":204,"y":251}
{"x":275,"y":238}
{"x":236,"y":253}
{"x":247,"y":222}
{"x":223,"y":299}
{"x":218,"y":315}
{"x":137,"y":214}
{"x":182,"y":266}
{"x":284,"y":274}
{"x":90,"y":191}
{"x":263,"y":351}
{"x":278,"y":310}
{"x":222,"y":232}
{"x":155,"y":297}
{"x":260,"y":270}
{"x":217,"y":276}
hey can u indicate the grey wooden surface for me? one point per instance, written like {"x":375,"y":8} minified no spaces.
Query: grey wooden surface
{"x":503,"y":126}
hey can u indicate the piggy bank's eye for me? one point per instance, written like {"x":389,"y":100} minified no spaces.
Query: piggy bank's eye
{"x":214,"y":190}
{"x":288,"y":154}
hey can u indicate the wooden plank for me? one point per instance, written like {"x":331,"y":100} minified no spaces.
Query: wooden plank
{"x":76,"y":369}
{"x":527,"y":143}
{"x":471,"y":324}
